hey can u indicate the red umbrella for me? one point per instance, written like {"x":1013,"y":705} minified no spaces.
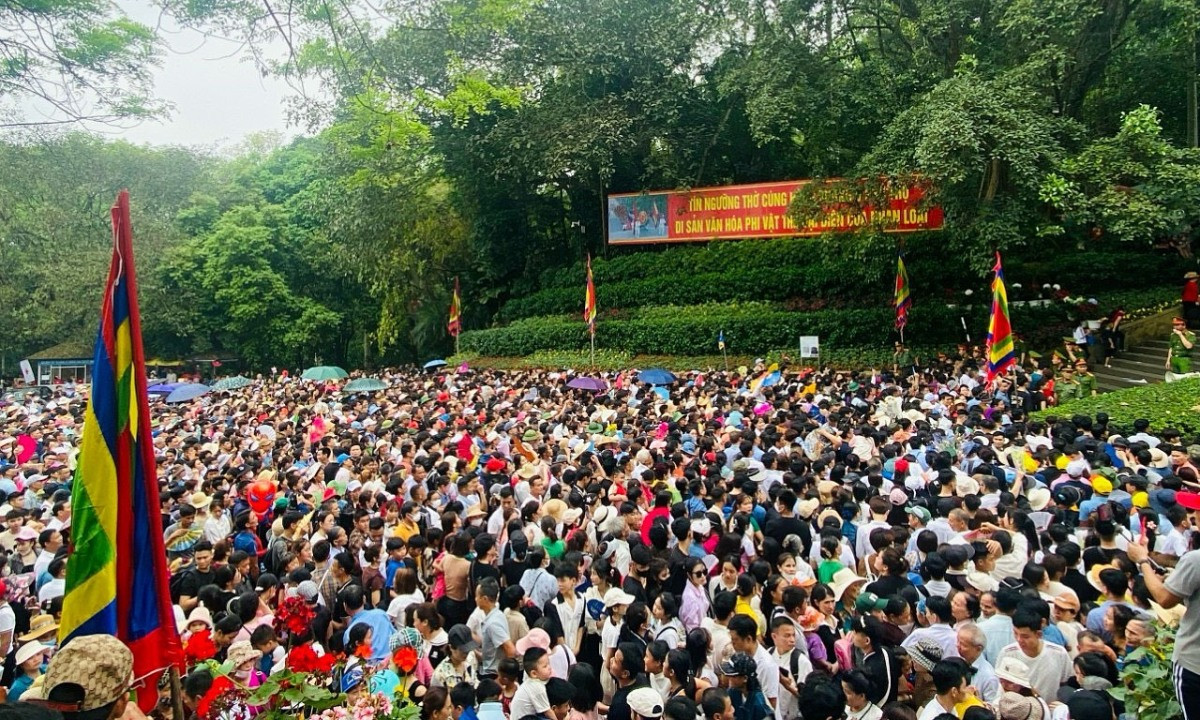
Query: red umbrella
{"x":26,"y":446}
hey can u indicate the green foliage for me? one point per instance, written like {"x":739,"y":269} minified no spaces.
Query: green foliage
{"x":1164,"y":405}
{"x":750,"y":327}
{"x":1148,"y":688}
{"x":801,"y":271}
{"x":1134,"y":186}
{"x":75,"y":61}
{"x":239,"y":295}
{"x":613,"y":360}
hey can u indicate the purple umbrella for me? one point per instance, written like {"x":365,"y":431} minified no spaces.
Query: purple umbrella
{"x":587,"y":383}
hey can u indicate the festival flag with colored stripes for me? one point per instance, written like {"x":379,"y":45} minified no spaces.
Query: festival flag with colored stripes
{"x":589,"y":300}
{"x":1000,"y":353}
{"x":117,"y":581}
{"x":455,"y":323}
{"x":903,"y":299}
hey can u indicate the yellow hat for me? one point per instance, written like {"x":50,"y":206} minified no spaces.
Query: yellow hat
{"x":1101,"y":484}
{"x":1141,"y":499}
{"x":1061,"y":462}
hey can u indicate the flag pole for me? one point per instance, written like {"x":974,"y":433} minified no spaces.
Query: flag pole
{"x":176,"y":692}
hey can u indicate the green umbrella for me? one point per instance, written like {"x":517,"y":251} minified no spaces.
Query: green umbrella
{"x":325,"y":372}
{"x":232,"y":383}
{"x":365,"y":385}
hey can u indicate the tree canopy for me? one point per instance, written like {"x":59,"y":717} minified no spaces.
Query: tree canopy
{"x":478,"y":138}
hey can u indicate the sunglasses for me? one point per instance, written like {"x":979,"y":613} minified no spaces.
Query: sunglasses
{"x":699,"y":573}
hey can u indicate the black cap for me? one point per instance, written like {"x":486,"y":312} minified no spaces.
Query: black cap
{"x":460,"y":638}
{"x":1089,"y":705}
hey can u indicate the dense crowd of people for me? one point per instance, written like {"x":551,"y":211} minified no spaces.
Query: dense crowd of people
{"x":905,"y":544}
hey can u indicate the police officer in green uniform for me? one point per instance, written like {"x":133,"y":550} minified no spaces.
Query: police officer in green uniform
{"x":1085,"y":381}
{"x":1067,"y":387}
{"x":1181,"y":344}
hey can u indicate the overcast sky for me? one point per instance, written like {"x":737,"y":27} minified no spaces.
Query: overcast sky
{"x":219,"y":96}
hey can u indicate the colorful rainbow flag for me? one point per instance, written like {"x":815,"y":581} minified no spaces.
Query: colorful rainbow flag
{"x":1000,"y":353}
{"x":455,"y":323}
{"x":903,"y":300}
{"x":589,"y":300}
{"x":117,"y":580}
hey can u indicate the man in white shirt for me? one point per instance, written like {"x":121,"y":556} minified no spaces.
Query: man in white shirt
{"x":880,"y":507}
{"x":938,"y":615}
{"x":794,"y":667}
{"x":949,"y":686}
{"x":1049,"y":664}
{"x":743,"y":635}
{"x":971,"y":644}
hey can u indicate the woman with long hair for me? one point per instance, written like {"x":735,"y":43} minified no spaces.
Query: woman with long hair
{"x":457,"y":599}
{"x":694,"y":604}
{"x":666,"y":625}
{"x":585,"y":703}
{"x":683,"y":681}
{"x":604,"y":577}
{"x":699,"y":647}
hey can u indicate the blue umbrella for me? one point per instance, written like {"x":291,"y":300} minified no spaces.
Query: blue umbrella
{"x":434,"y":364}
{"x":187,"y":391}
{"x":162,"y":388}
{"x":656,"y":376}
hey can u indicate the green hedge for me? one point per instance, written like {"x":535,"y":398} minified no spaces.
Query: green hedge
{"x":686,"y":288}
{"x":1164,"y":405}
{"x":753,"y":328}
{"x":804,"y":268}
{"x":613,"y":360}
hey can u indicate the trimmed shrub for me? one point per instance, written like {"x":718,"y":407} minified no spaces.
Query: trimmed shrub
{"x":1164,"y":405}
{"x":750,"y":328}
{"x":806,"y":269}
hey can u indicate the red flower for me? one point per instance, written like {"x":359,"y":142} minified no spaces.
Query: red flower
{"x":199,"y":647}
{"x":218,"y":698}
{"x":302,"y":659}
{"x":295,"y":616}
{"x":363,"y":651}
{"x":405,"y":658}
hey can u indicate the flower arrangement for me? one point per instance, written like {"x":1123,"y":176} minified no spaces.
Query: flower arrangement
{"x":304,"y":659}
{"x":294,"y":617}
{"x":370,"y":706}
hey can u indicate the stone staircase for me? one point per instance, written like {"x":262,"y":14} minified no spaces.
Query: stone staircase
{"x":1140,"y":365}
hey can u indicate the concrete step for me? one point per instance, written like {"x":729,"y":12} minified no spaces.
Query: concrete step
{"x":1115,"y":379}
{"x":1137,"y":366}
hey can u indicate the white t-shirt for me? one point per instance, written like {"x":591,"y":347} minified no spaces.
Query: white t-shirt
{"x":399,"y":603}
{"x":932,"y":709}
{"x":8,"y":623}
{"x":788,"y":705}
{"x":768,"y":673}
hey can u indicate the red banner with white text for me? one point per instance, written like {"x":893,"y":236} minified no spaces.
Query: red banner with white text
{"x":753,"y":211}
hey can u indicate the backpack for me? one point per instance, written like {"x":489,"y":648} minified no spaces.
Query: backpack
{"x":279,"y":546}
{"x":177,"y":581}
